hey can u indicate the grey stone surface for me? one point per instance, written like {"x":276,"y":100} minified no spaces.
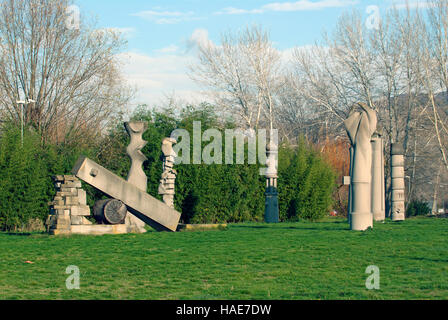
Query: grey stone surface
{"x":68,"y":207}
{"x":398,"y":185}
{"x":360,"y":127}
{"x":76,"y":220}
{"x":80,"y":210}
{"x":378,"y":181}
{"x":82,"y":196}
{"x":168,"y":179}
{"x":110,"y":211}
{"x":139,"y":203}
{"x":272,"y":163}
{"x":136,"y":175}
{"x":98,"y":229}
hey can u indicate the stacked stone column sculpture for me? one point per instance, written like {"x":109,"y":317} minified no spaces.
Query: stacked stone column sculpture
{"x":360,"y":127}
{"x":398,"y":186}
{"x":378,"y":188}
{"x":168,"y":180}
{"x":69,"y":208}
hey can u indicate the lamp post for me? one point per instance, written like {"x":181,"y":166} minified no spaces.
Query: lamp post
{"x":22,"y":103}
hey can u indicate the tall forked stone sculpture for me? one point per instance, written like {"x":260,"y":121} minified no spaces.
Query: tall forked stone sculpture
{"x":168,"y":180}
{"x":378,"y":187}
{"x":398,"y":186}
{"x":136,"y":175}
{"x":360,"y":127}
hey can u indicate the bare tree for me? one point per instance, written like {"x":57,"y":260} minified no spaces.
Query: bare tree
{"x":435,"y":73}
{"x":398,"y":69}
{"x":71,"y":73}
{"x":244,"y":75}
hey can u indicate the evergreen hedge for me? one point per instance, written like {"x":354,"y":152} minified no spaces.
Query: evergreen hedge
{"x":213,"y":193}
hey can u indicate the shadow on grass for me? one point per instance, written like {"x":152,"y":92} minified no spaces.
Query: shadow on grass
{"x":426,"y":259}
{"x":302,"y":227}
{"x":25,"y":234}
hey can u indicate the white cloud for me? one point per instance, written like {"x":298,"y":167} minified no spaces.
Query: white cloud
{"x":199,"y":37}
{"x":166,"y":17}
{"x":305,"y":5}
{"x":170,"y":49}
{"x":232,"y":10}
{"x":302,"y":5}
{"x":412,"y":4}
{"x":158,"y":76}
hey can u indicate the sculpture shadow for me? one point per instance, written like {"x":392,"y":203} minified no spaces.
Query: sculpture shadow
{"x":25,"y":234}
{"x":345,"y":228}
{"x":426,"y":259}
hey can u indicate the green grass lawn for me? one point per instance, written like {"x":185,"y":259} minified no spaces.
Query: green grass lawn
{"x":303,"y":260}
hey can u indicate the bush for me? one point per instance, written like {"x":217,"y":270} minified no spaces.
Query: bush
{"x":204,"y":193}
{"x":25,"y":185}
{"x":306,"y":183}
{"x":418,"y":208}
{"x":228,"y":193}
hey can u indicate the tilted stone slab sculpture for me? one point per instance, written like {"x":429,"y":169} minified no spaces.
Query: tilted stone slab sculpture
{"x":360,"y":127}
{"x":142,"y":205}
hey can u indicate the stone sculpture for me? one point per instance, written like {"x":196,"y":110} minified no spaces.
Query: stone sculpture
{"x":69,"y":207}
{"x":398,"y":186}
{"x":271,"y":214}
{"x":360,"y":127}
{"x":168,"y":181}
{"x":110,"y":211}
{"x":139,"y":203}
{"x":69,"y":211}
{"x":136,"y":174}
{"x":378,"y":192}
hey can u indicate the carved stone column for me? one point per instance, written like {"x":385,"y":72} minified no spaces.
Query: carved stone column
{"x":360,"y":126}
{"x":398,"y":186}
{"x":378,"y":192}
{"x":168,"y":180}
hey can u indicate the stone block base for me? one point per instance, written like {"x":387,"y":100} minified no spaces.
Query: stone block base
{"x":99,"y":229}
{"x":201,"y":227}
{"x":60,"y":232}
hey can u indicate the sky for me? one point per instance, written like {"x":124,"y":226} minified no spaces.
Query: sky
{"x":162,"y":34}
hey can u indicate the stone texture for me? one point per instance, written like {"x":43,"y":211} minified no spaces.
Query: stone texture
{"x":80,"y":210}
{"x":82,"y":197}
{"x":378,"y":181}
{"x":139,"y":203}
{"x":68,"y":207}
{"x":136,"y":175}
{"x":168,"y":179}
{"x":76,"y":220}
{"x":398,"y":184}
{"x":99,"y":229}
{"x":360,"y":127}
{"x":200,"y":227}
